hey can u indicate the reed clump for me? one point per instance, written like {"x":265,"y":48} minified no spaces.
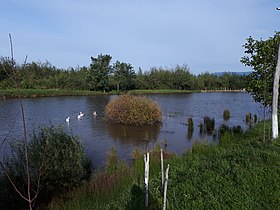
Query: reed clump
{"x":209,"y":124}
{"x":226,"y":114}
{"x":190,"y":128}
{"x":190,"y":123}
{"x":133,"y":110}
{"x":248,"y":117}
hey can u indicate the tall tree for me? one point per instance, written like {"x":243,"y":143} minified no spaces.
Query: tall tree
{"x":6,"y":67}
{"x":182,"y":78}
{"x":124,"y":76}
{"x":262,"y":57}
{"x":99,"y":71}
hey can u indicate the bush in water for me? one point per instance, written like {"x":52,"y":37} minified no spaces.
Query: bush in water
{"x":133,"y":110}
{"x":226,"y":114}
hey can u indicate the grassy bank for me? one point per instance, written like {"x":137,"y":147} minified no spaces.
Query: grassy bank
{"x":14,"y":93}
{"x":162,"y":91}
{"x":243,"y":172}
{"x":32,"y":93}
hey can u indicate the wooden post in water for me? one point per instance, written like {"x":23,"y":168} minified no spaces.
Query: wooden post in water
{"x":147,"y":160}
{"x":275,"y":98}
{"x":165,"y":188}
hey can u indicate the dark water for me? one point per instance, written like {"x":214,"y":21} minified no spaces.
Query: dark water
{"x":99,"y":137}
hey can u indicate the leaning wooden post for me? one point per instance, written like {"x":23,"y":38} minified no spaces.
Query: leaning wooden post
{"x":275,"y":98}
{"x":162,"y":173}
{"x":165,"y":188}
{"x":146,"y":160}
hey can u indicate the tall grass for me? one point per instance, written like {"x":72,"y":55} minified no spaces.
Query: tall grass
{"x":242,"y":172}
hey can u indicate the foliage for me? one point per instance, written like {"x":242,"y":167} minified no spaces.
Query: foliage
{"x":55,"y":158}
{"x":248,"y":118}
{"x":226,"y":114}
{"x":208,"y":125}
{"x":133,"y":110}
{"x":99,"y":70}
{"x":226,"y":130}
{"x":6,"y":68}
{"x":124,"y":76}
{"x":102,"y":75}
{"x":14,"y":93}
{"x":262,"y":57}
{"x":242,"y":172}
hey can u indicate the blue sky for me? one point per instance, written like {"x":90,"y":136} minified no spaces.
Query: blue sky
{"x":205,"y":35}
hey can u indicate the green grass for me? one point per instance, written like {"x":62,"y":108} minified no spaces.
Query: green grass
{"x":242,"y":172}
{"x":14,"y":93}
{"x":162,"y":91}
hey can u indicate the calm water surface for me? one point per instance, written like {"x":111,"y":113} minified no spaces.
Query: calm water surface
{"x":99,"y":137}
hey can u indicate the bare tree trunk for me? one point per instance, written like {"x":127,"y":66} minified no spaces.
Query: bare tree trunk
{"x":275,"y":98}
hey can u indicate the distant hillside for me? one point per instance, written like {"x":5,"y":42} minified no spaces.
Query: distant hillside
{"x":244,"y":73}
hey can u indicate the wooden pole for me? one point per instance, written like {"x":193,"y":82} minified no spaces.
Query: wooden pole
{"x":275,"y":98}
{"x":162,"y":172}
{"x":146,"y":160}
{"x":165,"y":188}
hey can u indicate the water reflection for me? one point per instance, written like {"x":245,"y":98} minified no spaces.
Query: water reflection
{"x":136,"y":135}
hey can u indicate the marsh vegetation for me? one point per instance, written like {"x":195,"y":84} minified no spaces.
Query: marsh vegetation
{"x":206,"y":176}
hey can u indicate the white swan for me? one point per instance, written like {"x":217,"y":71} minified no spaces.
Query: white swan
{"x":80,"y":115}
{"x":94,"y":113}
{"x":67,"y":119}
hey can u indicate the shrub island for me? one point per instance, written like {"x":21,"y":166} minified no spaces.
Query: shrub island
{"x":133,"y":110}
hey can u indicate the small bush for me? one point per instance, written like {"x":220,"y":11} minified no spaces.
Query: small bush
{"x":190,"y":128}
{"x":209,"y":124}
{"x":190,"y":123}
{"x":248,"y":118}
{"x":54,"y":156}
{"x":226,"y":114}
{"x":133,"y":110}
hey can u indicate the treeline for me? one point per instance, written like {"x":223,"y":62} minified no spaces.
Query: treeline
{"x":102,"y":75}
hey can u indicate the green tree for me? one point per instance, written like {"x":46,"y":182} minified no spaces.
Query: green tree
{"x":99,"y":71}
{"x":262,"y":57}
{"x":140,"y":80}
{"x":124,"y":76}
{"x":182,"y":78}
{"x":6,"y":68}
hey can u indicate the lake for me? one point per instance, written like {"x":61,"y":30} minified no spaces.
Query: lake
{"x":98,"y":137}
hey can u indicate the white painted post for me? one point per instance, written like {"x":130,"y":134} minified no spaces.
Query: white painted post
{"x":275,"y":98}
{"x":146,"y":160}
{"x":165,"y":188}
{"x":162,"y":172}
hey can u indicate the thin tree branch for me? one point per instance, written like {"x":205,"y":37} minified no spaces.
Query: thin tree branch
{"x":11,"y":181}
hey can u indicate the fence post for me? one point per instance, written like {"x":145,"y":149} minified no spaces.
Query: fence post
{"x":165,"y":188}
{"x":162,"y":173}
{"x":146,"y":160}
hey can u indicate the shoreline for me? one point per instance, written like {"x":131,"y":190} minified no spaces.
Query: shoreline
{"x":35,"y":93}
